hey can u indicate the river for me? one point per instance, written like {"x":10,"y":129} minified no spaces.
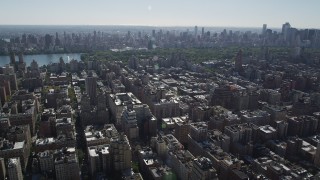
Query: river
{"x":42,"y":59}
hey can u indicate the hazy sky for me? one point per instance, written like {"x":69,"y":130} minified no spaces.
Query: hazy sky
{"x":245,"y":13}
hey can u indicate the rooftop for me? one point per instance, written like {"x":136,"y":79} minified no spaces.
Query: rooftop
{"x":12,"y":162}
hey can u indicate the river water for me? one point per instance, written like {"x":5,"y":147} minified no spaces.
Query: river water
{"x":42,"y":59}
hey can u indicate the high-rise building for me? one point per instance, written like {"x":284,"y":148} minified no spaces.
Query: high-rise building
{"x":202,"y":32}
{"x":285,"y":30}
{"x":241,"y":137}
{"x":6,"y":85}
{"x":317,"y":156}
{"x":92,"y":65}
{"x":166,"y":108}
{"x":100,"y":135}
{"x":219,"y":139}
{"x":129,"y":122}
{"x":99,"y":159}
{"x":102,"y":111}
{"x":12,"y":59}
{"x":12,"y":79}
{"x":238,"y":63}
{"x":117,"y":103}
{"x":182,"y":127}
{"x":34,"y":66}
{"x":161,"y":146}
{"x":74,"y":65}
{"x":264,"y":29}
{"x":19,"y":134}
{"x":198,"y":131}
{"x":91,"y":87}
{"x":14,"y":169}
{"x":153,"y":33}
{"x":67,"y":166}
{"x":303,"y":126}
{"x":21,"y":60}
{"x":242,"y":133}
{"x":21,"y":65}
{"x":2,"y":169}
{"x":8,"y":69}
{"x":46,"y":161}
{"x":181,"y":163}
{"x":282,"y":129}
{"x":203,"y":169}
{"x":96,"y":114}
{"x":3,"y":94}
{"x":121,"y":153}
{"x":11,"y":149}
{"x":195,"y":31}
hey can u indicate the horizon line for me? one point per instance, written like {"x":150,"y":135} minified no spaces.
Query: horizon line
{"x":138,"y":25}
{"x":157,"y":26}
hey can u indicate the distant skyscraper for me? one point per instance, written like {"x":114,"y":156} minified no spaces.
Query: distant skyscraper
{"x":91,"y":87}
{"x":153,"y":33}
{"x":34,"y":66}
{"x":285,"y":29}
{"x":57,"y":40}
{"x":21,"y":60}
{"x":21,"y":65}
{"x":12,"y":59}
{"x":196,"y":31}
{"x":264,"y":29}
{"x":202,"y":32}
{"x":129,"y":34}
{"x":238,"y":63}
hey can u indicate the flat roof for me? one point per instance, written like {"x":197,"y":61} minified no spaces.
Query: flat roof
{"x":18,"y":145}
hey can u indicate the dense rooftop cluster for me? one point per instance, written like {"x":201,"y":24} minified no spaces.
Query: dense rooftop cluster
{"x":164,"y":117}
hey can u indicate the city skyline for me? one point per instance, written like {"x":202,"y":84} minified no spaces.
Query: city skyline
{"x":229,"y":13}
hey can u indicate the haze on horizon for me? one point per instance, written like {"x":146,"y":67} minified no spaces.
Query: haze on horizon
{"x":223,"y":13}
